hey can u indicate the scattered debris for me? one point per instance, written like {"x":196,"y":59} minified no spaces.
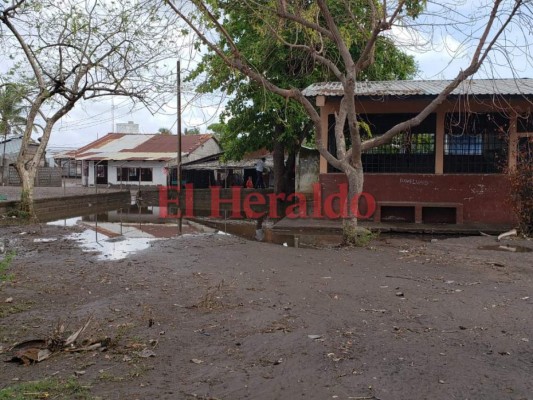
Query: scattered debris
{"x":373,"y":310}
{"x":197,"y":361}
{"x":314,"y":337}
{"x":145,"y":353}
{"x":44,"y":240}
{"x":405,"y":277}
{"x":9,"y":300}
{"x":496,"y":264}
{"x":400,"y":294}
{"x":72,"y":338}
{"x":333,"y":357}
{"x":508,"y":248}
{"x":514,"y":249}
{"x":512,"y":232}
{"x":30,"y":351}
{"x":38,"y":350}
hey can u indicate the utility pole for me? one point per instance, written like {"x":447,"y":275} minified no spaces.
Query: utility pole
{"x":178,"y":160}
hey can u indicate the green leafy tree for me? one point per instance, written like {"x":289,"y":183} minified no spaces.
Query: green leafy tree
{"x":12,"y":110}
{"x":218,"y":129}
{"x":164,"y":131}
{"x":326,"y":32}
{"x":191,"y":131}
{"x":256,"y":118}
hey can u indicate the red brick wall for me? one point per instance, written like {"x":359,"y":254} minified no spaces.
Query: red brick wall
{"x":484,"y":197}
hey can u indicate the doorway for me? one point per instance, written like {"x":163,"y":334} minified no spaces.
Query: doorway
{"x":101,"y":173}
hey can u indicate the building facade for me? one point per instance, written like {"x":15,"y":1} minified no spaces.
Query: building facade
{"x":452,"y":168}
{"x":137,"y":159}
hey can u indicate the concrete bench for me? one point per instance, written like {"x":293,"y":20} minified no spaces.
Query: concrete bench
{"x":419,"y":207}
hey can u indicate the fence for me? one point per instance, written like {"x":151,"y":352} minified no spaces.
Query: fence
{"x":45,"y":177}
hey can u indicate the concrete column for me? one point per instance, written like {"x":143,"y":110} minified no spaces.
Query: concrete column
{"x":513,"y":142}
{"x":324,"y":112}
{"x":439,"y":143}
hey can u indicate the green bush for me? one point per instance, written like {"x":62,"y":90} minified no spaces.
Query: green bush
{"x":522,"y":196}
{"x":4,"y":265}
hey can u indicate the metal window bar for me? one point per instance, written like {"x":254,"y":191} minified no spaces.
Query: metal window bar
{"x":475,"y":143}
{"x":408,"y":152}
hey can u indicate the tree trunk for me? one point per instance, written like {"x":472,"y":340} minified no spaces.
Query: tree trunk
{"x":288,"y":173}
{"x":278,"y":155}
{"x":26,"y":196}
{"x":352,"y":234}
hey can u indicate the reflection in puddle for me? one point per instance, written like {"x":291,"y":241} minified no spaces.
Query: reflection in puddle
{"x":248,"y":230}
{"x":119,"y":233}
{"x":507,"y":248}
{"x":65,"y":222}
{"x":110,"y":249}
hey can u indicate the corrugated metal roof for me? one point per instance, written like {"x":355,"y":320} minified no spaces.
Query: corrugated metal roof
{"x":476,"y":87}
{"x":231,"y":164}
{"x":117,"y":146}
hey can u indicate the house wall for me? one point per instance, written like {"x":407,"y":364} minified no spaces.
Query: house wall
{"x":12,"y":149}
{"x":484,"y":196}
{"x":158,"y":175}
{"x":158,"y":172}
{"x":208,"y":148}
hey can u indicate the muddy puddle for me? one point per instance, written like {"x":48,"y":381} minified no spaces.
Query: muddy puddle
{"x":116,"y":234}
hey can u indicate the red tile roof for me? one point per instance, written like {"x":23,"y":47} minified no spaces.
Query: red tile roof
{"x":120,"y":146}
{"x":169,"y":143}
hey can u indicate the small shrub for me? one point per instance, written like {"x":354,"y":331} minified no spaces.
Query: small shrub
{"x":357,"y":236}
{"x":4,"y":265}
{"x":20,"y":214}
{"x":44,"y":389}
{"x":522,"y":196}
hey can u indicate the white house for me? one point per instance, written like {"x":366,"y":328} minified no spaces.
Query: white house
{"x":139,"y":159}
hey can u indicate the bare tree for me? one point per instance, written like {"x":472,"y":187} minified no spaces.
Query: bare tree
{"x":334,"y":24}
{"x":74,"y":50}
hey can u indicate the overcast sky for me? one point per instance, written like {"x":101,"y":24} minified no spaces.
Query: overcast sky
{"x":441,"y":52}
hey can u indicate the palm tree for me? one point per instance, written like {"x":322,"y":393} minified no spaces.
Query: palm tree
{"x":12,"y":120}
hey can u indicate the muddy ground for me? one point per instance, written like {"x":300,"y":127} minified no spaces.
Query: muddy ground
{"x":226,"y":318}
